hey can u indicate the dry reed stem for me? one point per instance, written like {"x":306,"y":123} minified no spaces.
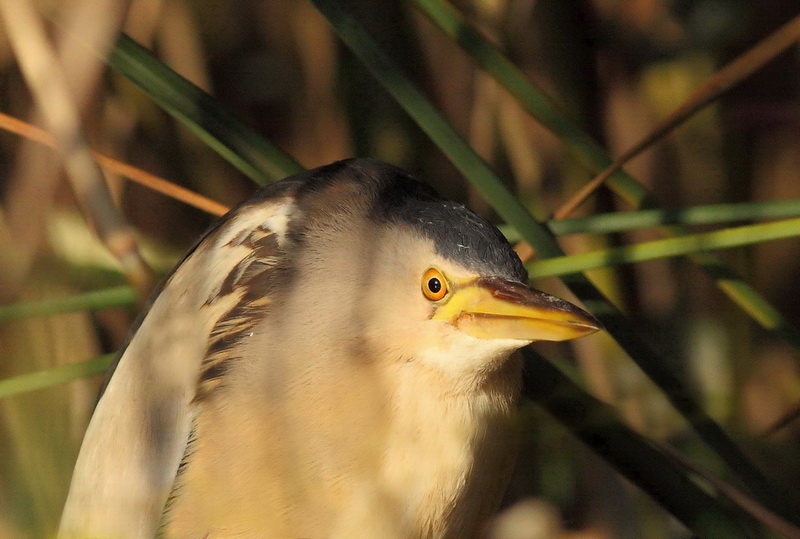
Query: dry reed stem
{"x":46,"y":78}
{"x":34,"y":181}
{"x":733,"y":73}
{"x":151,"y":181}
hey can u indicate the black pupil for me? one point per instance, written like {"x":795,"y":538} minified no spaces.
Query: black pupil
{"x":434,"y":285}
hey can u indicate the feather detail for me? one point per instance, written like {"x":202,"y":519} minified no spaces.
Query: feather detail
{"x":250,"y":283}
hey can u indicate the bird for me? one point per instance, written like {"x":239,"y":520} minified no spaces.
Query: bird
{"x":336,"y":356}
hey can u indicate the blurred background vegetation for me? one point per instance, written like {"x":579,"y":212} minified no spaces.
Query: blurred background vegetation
{"x":615,"y":68}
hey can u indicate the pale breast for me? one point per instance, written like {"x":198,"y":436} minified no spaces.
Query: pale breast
{"x":451,"y":453}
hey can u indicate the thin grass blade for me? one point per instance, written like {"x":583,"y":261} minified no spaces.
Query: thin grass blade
{"x":599,"y":426}
{"x":52,"y":377}
{"x":241,"y":146}
{"x":666,"y":248}
{"x":696,"y":215}
{"x":120,"y":296}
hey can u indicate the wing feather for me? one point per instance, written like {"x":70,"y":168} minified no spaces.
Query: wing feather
{"x":140,"y":429}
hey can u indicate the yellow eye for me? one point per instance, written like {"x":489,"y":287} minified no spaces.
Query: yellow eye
{"x":434,"y":285}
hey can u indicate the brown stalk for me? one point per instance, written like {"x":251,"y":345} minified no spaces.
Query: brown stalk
{"x":151,"y":181}
{"x":783,"y":422}
{"x":748,"y":504}
{"x":730,"y":75}
{"x":35,"y":177}
{"x":46,"y":78}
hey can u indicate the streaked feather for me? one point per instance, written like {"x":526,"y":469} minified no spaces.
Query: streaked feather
{"x":140,"y":429}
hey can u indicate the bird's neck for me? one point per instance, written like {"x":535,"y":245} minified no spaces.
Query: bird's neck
{"x":451,"y":446}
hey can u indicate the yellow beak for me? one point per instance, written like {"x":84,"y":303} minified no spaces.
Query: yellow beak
{"x":494,"y":308}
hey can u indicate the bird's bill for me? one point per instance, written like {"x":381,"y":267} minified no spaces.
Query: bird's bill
{"x":494,"y":308}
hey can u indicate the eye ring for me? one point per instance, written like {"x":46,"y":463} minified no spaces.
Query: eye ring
{"x":434,"y":285}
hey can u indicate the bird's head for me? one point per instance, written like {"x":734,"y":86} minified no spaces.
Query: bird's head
{"x":422,"y":279}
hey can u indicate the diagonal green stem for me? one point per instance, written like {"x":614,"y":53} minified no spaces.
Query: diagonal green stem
{"x":592,"y":155}
{"x":696,"y":215}
{"x":99,"y":299}
{"x":240,"y":145}
{"x":479,"y":173}
{"x":599,"y":426}
{"x":53,"y":377}
{"x":670,"y":247}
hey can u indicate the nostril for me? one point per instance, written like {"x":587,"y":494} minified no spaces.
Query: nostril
{"x":506,"y":295}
